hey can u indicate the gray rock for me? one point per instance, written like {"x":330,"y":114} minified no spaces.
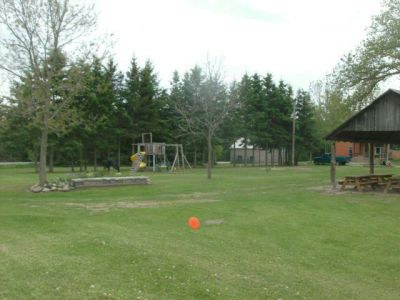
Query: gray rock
{"x":45,"y":190}
{"x":65,"y":188}
{"x":36,"y":188}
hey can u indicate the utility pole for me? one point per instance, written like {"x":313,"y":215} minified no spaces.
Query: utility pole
{"x":294,"y":116}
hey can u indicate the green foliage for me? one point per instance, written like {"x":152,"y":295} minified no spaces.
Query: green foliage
{"x":306,"y":130}
{"x":110,"y":110}
{"x":375,"y":60}
{"x":142,"y":94}
{"x":267,"y":109}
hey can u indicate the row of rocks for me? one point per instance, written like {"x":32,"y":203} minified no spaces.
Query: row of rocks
{"x":90,"y":182}
{"x":51,"y":187}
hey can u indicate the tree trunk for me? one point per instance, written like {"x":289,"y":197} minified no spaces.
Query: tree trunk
{"x":209,"y":163}
{"x":272,"y":157}
{"x":287,"y":157}
{"x":43,"y":156}
{"x":280,"y":157}
{"x":85,"y":162}
{"x":72,"y":164}
{"x":119,"y":153}
{"x":195,"y":157}
{"x":51,"y":159}
{"x":214,"y":160}
{"x":333,"y":165}
{"x":95,"y":159}
{"x":80,"y":159}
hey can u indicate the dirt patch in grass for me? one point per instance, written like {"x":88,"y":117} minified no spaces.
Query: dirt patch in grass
{"x":327,"y":189}
{"x":108,"y":206}
{"x":3,"y":249}
{"x":290,"y":168}
{"x":214,"y":222}
{"x":198,"y":196}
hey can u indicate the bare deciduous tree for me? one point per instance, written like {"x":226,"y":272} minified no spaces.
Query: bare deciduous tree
{"x":210,"y":105}
{"x":38,"y":34}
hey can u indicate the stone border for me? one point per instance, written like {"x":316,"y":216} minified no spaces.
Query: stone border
{"x":109,"y":181}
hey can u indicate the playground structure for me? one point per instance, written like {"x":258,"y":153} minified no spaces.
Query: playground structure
{"x":156,"y":154}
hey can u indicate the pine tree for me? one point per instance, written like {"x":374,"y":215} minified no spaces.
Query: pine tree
{"x":306,"y":140}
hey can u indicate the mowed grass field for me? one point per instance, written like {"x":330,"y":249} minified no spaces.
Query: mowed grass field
{"x":265,"y":235}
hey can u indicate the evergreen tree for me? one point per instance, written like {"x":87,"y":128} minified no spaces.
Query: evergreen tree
{"x":131,"y":95}
{"x":306,"y":139}
{"x":142,"y":94}
{"x":149,"y":105}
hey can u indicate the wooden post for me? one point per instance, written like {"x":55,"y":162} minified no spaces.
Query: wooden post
{"x":387,"y":152}
{"x":333,"y":165}
{"x":293,"y":132}
{"x":187,"y":162}
{"x":183,"y":161}
{"x":173,"y":164}
{"x":177,"y":153}
{"x":371,"y":158}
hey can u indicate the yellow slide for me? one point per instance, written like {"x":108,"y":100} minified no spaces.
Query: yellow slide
{"x":137,"y":158}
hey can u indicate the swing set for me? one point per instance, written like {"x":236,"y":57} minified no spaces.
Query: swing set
{"x":155,"y":155}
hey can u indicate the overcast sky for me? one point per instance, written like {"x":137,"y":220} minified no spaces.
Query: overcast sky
{"x":297,"y":41}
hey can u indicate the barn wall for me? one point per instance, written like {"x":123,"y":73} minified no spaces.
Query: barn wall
{"x":383,"y":115}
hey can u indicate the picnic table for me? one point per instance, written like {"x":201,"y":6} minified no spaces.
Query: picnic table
{"x":393,"y":183}
{"x":359,"y":182}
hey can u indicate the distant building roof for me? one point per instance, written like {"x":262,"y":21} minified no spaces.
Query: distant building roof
{"x":240,"y":144}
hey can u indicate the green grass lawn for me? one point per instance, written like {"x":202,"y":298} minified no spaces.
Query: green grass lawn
{"x":280,"y":238}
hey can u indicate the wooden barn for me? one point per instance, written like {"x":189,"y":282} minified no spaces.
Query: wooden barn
{"x":376,"y":124}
